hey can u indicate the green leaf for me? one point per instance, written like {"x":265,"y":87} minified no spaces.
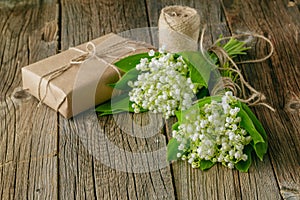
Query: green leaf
{"x":206,"y":164}
{"x":203,"y":92}
{"x":111,"y":112}
{"x":122,"y":84}
{"x":200,"y":68}
{"x":248,"y":125}
{"x":261,"y":149}
{"x":172,"y":149}
{"x":207,"y":100}
{"x":175,"y":126}
{"x":258,"y":142}
{"x":180,"y":115}
{"x":128,"y":63}
{"x":235,"y":47}
{"x":117,"y":104}
{"x":255,"y":121}
{"x":243,"y":166}
{"x":104,"y":107}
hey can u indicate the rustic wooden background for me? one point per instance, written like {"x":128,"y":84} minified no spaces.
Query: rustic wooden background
{"x":44,"y":156}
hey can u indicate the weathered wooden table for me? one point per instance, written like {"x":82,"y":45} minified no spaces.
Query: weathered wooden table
{"x":44,"y":156}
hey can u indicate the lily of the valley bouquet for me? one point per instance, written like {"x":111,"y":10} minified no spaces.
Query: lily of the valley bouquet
{"x":205,"y":91}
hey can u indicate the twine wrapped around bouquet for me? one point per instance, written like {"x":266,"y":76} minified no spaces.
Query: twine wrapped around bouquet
{"x":256,"y":97}
{"x":179,"y":28}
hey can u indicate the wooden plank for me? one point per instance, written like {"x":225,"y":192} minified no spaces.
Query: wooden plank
{"x":94,"y":19}
{"x":108,"y":162}
{"x":280,"y":83}
{"x":28,"y":135}
{"x":97,"y":157}
{"x":75,"y":163}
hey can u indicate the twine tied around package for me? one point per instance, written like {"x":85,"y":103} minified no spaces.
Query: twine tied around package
{"x":176,"y":22}
{"x":256,"y":97}
{"x":89,"y":53}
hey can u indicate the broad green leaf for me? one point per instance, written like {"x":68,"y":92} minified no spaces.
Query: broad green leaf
{"x":122,"y":84}
{"x":259,"y":144}
{"x":206,"y":164}
{"x":261,"y":149}
{"x":207,"y":100}
{"x":243,"y":166}
{"x":178,"y":115}
{"x":104,"y":107}
{"x":175,"y":126}
{"x":200,"y":103}
{"x":118,"y":103}
{"x":248,"y":125}
{"x":172,"y":149}
{"x":111,"y":112}
{"x":255,"y":121}
{"x":200,"y":68}
{"x":128,"y":63}
{"x":203,"y":92}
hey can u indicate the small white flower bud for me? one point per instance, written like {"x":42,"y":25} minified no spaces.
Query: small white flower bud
{"x":151,"y":52}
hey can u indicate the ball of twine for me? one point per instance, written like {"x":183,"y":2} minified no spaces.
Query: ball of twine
{"x":179,"y":28}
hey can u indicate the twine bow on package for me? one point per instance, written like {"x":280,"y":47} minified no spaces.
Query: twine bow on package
{"x":77,"y":79}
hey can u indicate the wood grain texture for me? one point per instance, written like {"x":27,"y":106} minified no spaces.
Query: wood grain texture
{"x":108,"y":159}
{"x":44,"y":156}
{"x":28,"y":135}
{"x":96,"y":18}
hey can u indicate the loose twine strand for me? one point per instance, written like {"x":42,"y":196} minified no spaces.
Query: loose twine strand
{"x":256,"y":97}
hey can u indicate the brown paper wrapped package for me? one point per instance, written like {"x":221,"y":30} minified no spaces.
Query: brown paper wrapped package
{"x":82,"y":85}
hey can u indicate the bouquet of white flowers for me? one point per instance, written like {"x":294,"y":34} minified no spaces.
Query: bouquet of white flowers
{"x":213,"y":125}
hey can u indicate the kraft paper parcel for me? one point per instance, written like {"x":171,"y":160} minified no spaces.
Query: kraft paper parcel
{"x":77,"y":79}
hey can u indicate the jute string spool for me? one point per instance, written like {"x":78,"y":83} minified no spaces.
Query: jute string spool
{"x":179,"y":28}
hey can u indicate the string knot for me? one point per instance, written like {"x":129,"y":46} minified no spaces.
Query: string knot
{"x":256,"y":97}
{"x":89,"y":53}
{"x":91,"y":49}
{"x":220,"y":53}
{"x":86,"y":55}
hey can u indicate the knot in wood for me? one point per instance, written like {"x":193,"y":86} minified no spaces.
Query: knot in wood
{"x":293,"y":102}
{"x":20,"y":94}
{"x":293,"y":106}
